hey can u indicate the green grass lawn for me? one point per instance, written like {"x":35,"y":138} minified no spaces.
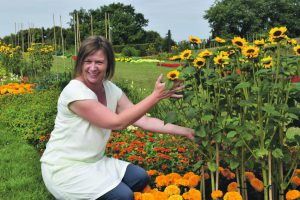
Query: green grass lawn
{"x":20,"y":174}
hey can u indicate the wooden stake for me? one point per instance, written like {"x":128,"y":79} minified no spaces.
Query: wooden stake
{"x":54,"y":34}
{"x":92,"y":31}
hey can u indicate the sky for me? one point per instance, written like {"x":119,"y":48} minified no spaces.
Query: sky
{"x":182,"y":17}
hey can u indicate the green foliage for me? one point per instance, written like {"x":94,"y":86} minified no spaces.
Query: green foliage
{"x":130,"y":51}
{"x":239,"y":17}
{"x":30,"y":115}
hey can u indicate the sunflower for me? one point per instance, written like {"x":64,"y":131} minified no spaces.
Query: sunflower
{"x":277,"y":32}
{"x":259,"y":42}
{"x":220,"y":40}
{"x":250,"y":51}
{"x":292,"y":41}
{"x":267,"y":62}
{"x":297,"y":50}
{"x":240,"y":42}
{"x":173,"y":75}
{"x":221,"y":60}
{"x":186,"y":54}
{"x":205,"y":53}
{"x":199,"y":62}
{"x":194,"y":40}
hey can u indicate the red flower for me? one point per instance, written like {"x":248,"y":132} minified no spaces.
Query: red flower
{"x":74,"y":58}
{"x":295,"y":79}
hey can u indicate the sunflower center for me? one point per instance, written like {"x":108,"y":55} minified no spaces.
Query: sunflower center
{"x":268,"y":62}
{"x":173,"y":75}
{"x":186,"y":55}
{"x":277,"y":33}
{"x":220,"y":61}
{"x":298,"y":50}
{"x":239,"y":43}
{"x":199,"y":63}
{"x":250,"y":51}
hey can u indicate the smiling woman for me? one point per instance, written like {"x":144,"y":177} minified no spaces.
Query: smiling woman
{"x":74,"y":165}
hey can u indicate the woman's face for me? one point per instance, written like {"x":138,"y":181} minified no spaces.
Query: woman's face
{"x":94,"y":68}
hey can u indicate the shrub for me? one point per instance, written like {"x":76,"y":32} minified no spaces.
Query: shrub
{"x":130,"y":51}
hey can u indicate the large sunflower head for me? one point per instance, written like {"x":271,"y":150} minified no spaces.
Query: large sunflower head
{"x":259,"y":42}
{"x":173,"y":75}
{"x":297,"y":50}
{"x":199,"y":62}
{"x":220,"y":40}
{"x":221,"y":60}
{"x":250,"y":51}
{"x":194,"y":40}
{"x":186,"y":54}
{"x":277,"y":32}
{"x":267,"y":62}
{"x":239,"y":42}
{"x":205,"y":54}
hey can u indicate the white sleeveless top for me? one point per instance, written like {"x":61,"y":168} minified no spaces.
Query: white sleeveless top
{"x":74,"y":165}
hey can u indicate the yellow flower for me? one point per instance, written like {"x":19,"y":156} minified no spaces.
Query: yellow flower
{"x":137,"y":196}
{"x":219,"y":40}
{"x":175,"y":197}
{"x":259,"y":42}
{"x":147,"y":196}
{"x":250,"y":51}
{"x":292,"y":194}
{"x":277,"y":32}
{"x":232,"y":196}
{"x":216,"y":194}
{"x":172,"y":190}
{"x":221,"y":60}
{"x":297,"y":50}
{"x":239,"y":42}
{"x":257,"y":184}
{"x":173,"y":75}
{"x":267,"y":62}
{"x":194,"y":40}
{"x":199,"y":62}
{"x":186,"y":54}
{"x":205,"y":53}
{"x":292,"y":41}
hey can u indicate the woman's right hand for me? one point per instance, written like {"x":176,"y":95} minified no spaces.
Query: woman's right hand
{"x":160,"y":91}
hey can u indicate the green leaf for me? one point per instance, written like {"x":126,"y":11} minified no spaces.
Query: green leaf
{"x":234,"y":164}
{"x":260,"y":153}
{"x":243,"y":85}
{"x":277,"y":153}
{"x":231,"y":134}
{"x":191,"y":113}
{"x":169,"y":84}
{"x":198,"y":165}
{"x":292,"y":132}
{"x":204,"y":143}
{"x":171,"y":117}
{"x":207,"y":118}
{"x":212,"y":166}
{"x":200,"y":132}
{"x":270,"y":109}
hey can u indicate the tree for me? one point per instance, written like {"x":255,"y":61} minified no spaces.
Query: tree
{"x":242,"y":17}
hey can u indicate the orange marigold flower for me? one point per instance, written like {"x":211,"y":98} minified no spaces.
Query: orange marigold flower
{"x":292,"y":194}
{"x":147,"y":189}
{"x":216,"y":194}
{"x":172,"y":190}
{"x":151,"y":172}
{"x":158,"y":195}
{"x":233,"y":196}
{"x":249,"y":175}
{"x":188,"y":175}
{"x":175,"y":197}
{"x":232,"y":187}
{"x":257,"y":184}
{"x":194,"y":180}
{"x":295,"y":180}
{"x":182,"y":181}
{"x":147,"y":196}
{"x":137,"y":196}
{"x":161,"y":181}
{"x":193,"y":194}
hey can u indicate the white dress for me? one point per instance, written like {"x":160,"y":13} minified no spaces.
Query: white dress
{"x":74,"y":165}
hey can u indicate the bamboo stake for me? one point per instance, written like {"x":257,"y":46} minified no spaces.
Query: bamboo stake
{"x":105,"y":22}
{"x":62,"y":36}
{"x":92,"y":30}
{"x":43,"y":35}
{"x":270,"y":175}
{"x":15,"y":34}
{"x":75,"y":35}
{"x":203,"y":182}
{"x":238,"y":180}
{"x":78,"y":32}
{"x":22,"y":38}
{"x":109,"y":31}
{"x":217,"y":163}
{"x":54,"y":34}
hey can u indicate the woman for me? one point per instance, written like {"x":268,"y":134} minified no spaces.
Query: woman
{"x":89,"y":107}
